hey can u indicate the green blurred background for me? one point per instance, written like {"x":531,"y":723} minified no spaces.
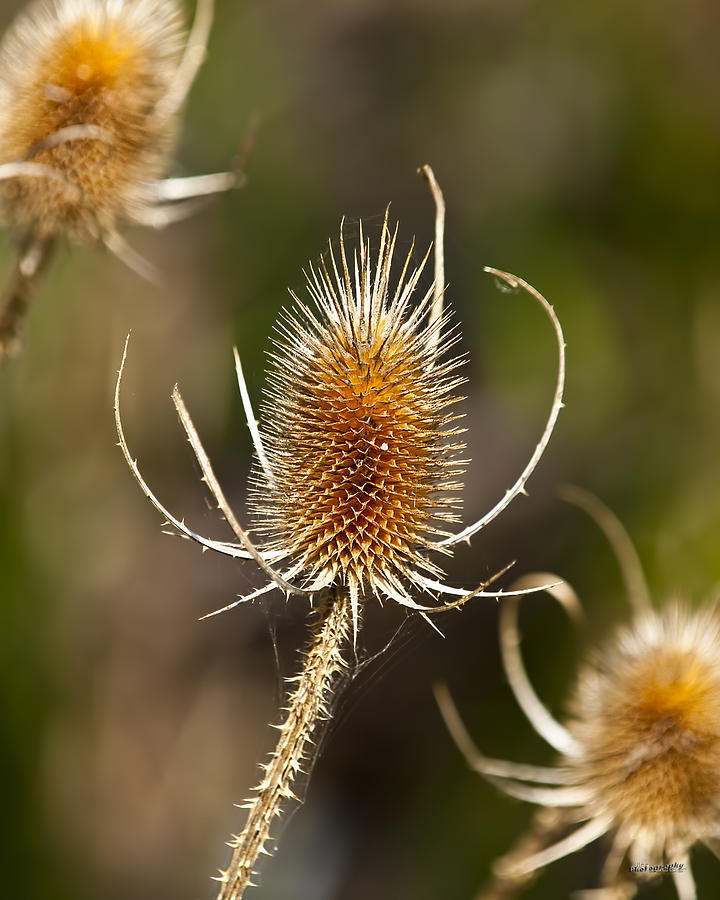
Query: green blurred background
{"x":578,"y":145}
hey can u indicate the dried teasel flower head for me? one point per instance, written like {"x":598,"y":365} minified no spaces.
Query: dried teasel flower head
{"x":357,"y":453}
{"x":640,"y":750}
{"x":100,"y":69}
{"x":361,"y":441}
{"x":90,"y":92}
{"x":646,"y":715}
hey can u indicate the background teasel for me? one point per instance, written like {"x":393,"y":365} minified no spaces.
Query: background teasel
{"x":639,"y":760}
{"x":90,"y":94}
{"x":357,"y":461}
{"x":556,"y":133}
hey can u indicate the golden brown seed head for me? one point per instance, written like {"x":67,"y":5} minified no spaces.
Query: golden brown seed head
{"x":647,"y":715}
{"x":98,"y":65}
{"x":359,"y":432}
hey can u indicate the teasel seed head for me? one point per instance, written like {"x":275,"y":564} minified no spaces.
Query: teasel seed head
{"x":80,"y":84}
{"x":646,"y":713}
{"x":357,"y":454}
{"x":90,"y":92}
{"x":360,"y":431}
{"x":639,"y":754}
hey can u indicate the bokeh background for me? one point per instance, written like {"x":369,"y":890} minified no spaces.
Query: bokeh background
{"x":578,"y":145}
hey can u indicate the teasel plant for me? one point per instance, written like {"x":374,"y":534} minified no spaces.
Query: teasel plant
{"x":355,"y":480}
{"x":639,"y":754}
{"x":90,"y":98}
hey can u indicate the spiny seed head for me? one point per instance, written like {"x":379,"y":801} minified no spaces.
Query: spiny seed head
{"x":98,"y":65}
{"x":647,"y":717}
{"x":360,"y":436}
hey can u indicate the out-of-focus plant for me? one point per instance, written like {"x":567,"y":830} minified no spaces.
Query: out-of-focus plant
{"x":640,"y":752}
{"x":90,"y":97}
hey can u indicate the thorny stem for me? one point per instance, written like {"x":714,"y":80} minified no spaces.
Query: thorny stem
{"x":505,"y":883}
{"x":33,"y":255}
{"x":308,"y":705}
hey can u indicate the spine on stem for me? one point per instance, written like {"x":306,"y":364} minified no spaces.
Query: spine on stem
{"x":308,"y":706}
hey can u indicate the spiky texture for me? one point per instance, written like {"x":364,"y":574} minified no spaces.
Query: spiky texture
{"x":98,"y":65}
{"x":358,"y":428}
{"x":647,"y":719}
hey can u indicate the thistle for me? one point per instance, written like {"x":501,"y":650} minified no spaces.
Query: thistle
{"x":355,"y":479}
{"x":639,"y":753}
{"x":90,"y":95}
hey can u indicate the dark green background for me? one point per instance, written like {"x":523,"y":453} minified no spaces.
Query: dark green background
{"x":578,"y":145}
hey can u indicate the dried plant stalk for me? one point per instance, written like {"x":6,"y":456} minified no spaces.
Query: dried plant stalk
{"x":308,"y":706}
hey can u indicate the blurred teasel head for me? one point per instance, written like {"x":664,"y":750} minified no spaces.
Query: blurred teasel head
{"x":80,"y":83}
{"x":639,"y":752}
{"x":90,"y":95}
{"x":645,"y":717}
